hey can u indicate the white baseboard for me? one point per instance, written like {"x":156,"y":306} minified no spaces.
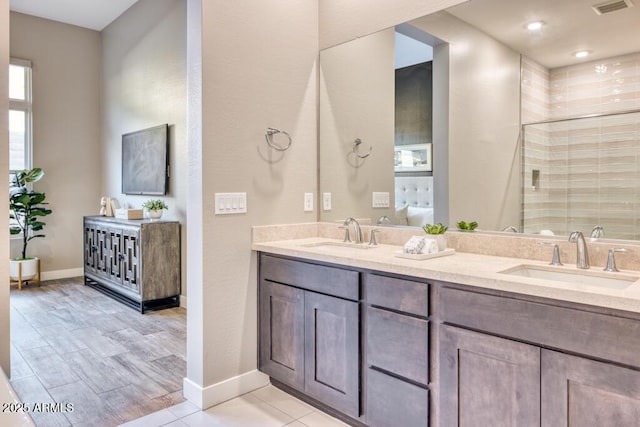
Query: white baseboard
{"x":206,"y":397}
{"x":183,"y":301}
{"x":61,"y":274}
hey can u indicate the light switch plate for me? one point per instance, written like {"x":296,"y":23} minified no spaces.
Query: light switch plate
{"x":230,"y":203}
{"x":326,"y":201}
{"x":380,"y":199}
{"x":308,"y":202}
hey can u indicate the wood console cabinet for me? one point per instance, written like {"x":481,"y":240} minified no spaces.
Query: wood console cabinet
{"x":136,"y":262}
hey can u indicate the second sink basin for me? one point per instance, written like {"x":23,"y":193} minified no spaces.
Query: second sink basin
{"x":579,"y":277}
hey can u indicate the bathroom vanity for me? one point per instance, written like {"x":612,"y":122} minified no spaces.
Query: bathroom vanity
{"x":382,"y":341}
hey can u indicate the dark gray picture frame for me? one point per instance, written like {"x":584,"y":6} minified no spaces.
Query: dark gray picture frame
{"x":145,"y":161}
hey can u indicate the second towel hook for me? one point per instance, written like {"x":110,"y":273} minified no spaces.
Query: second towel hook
{"x":269,"y":138}
{"x":356,"y":145}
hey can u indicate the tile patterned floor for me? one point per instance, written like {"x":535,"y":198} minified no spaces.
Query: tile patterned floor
{"x":265,"y":407}
{"x":71,"y":344}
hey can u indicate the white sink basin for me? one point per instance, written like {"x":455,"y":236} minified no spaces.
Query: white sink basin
{"x":332,"y":246}
{"x":578,"y":277}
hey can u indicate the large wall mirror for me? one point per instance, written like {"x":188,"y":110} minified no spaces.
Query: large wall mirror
{"x":462,"y":115}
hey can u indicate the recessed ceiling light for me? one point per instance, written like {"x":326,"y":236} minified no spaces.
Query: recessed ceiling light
{"x":582,"y":53}
{"x":535,"y":25}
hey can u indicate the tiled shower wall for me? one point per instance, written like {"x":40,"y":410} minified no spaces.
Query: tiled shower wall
{"x":589,"y":169}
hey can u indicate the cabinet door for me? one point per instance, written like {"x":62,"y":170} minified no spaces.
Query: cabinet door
{"x":282,"y":333}
{"x":487,"y":381}
{"x":90,"y":247}
{"x":332,"y":352}
{"x":114,"y":241}
{"x":585,"y":393}
{"x":130,"y":260}
{"x":102,"y":251}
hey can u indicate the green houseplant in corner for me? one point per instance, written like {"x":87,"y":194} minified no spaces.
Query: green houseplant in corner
{"x":27,"y":209}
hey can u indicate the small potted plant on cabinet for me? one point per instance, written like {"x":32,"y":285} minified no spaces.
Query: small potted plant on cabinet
{"x":27,"y":209}
{"x":153,"y":208}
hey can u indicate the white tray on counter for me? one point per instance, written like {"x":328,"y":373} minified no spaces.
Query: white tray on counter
{"x":448,"y":251}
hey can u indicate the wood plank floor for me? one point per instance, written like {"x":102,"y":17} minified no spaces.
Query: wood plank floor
{"x":72,"y":344}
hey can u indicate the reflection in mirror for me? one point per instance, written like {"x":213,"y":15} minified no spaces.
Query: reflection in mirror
{"x":478,"y":102}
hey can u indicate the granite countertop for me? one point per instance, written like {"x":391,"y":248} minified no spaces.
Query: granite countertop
{"x":482,"y":271}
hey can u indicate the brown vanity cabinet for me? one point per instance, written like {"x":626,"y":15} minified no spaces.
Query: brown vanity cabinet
{"x":510,"y":359}
{"x":309,"y":330}
{"x":410,"y":353}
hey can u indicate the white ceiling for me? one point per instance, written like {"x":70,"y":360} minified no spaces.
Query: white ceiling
{"x":570,"y":26}
{"x":92,"y":14}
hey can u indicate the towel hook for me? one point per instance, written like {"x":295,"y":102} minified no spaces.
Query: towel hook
{"x":356,"y":144}
{"x":269,"y":138}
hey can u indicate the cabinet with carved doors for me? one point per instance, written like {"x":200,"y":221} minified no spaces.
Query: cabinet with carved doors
{"x":136,"y":262}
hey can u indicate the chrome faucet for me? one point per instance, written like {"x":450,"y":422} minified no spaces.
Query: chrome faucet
{"x":582,"y":256}
{"x":597,"y":232}
{"x":356,"y":227}
{"x":611,"y":259}
{"x":510,"y":228}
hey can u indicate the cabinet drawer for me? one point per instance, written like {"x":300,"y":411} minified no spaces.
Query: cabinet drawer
{"x":392,"y":402}
{"x":397,"y":294}
{"x":398,"y":344}
{"x":319,"y":278}
{"x":574,"y":330}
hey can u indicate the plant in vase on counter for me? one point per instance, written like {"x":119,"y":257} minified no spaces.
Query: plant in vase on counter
{"x":436,"y":231}
{"x":153,"y":208}
{"x":467,"y":226}
{"x":26,"y":207}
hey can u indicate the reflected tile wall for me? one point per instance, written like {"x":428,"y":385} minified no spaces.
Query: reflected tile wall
{"x":589,"y":169}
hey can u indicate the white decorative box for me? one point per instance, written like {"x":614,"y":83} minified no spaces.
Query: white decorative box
{"x":129,"y":213}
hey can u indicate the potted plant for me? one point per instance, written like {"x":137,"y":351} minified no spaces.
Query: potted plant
{"x":467,"y":226}
{"x":436,"y":231}
{"x":27,"y":209}
{"x":153,"y":208}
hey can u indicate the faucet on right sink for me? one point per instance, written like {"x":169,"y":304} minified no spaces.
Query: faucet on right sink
{"x":582,"y":257}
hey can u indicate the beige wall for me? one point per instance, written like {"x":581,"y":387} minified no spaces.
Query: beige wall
{"x":144,"y":85}
{"x":66,"y":87}
{"x":4,"y":167}
{"x":258,"y":70}
{"x":357,"y":91}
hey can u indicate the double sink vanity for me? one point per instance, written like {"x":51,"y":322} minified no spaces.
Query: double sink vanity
{"x":492,"y":335}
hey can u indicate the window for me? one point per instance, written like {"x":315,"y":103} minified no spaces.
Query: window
{"x":20,"y":140}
